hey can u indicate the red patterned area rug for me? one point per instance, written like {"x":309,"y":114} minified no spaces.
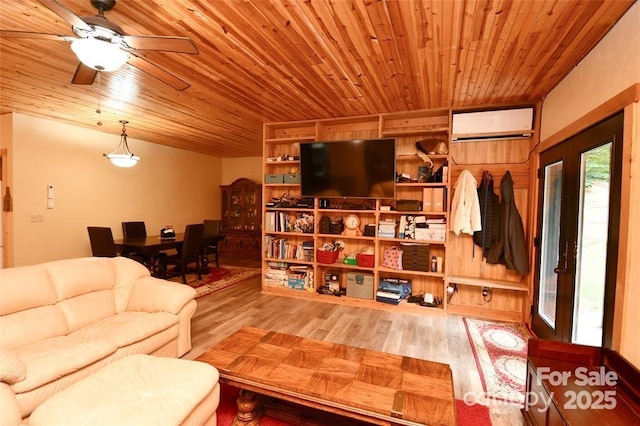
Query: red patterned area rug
{"x":500,"y":351}
{"x":217,"y":278}
{"x":468,"y":415}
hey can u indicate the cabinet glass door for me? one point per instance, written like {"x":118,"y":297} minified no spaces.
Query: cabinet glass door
{"x":236,"y":209}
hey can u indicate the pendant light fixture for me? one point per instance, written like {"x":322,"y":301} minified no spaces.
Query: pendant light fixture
{"x":121,"y":156}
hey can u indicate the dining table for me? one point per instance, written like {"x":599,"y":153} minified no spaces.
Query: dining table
{"x":151,"y":245}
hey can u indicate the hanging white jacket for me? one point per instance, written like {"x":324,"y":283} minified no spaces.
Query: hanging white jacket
{"x":465,"y":207}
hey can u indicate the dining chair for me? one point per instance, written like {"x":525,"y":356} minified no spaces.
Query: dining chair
{"x":101,"y":239}
{"x":138,"y":229}
{"x":191,"y":252}
{"x":211,"y":229}
{"x":134,"y":229}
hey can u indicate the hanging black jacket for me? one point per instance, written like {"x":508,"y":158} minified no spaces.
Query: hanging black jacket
{"x":489,"y":215}
{"x":511,"y":249}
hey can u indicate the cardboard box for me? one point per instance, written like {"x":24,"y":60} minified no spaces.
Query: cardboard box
{"x":427,"y":200}
{"x":438,"y":199}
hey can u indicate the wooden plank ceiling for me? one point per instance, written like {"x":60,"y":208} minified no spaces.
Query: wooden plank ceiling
{"x":283,"y":60}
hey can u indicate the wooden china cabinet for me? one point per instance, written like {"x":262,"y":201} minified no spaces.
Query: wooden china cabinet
{"x":241,"y":217}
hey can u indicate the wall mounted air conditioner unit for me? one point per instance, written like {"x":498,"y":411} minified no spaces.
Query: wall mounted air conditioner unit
{"x":491,"y":125}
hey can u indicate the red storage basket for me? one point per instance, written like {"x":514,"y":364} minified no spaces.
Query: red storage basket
{"x":327,"y":257}
{"x":365,"y":260}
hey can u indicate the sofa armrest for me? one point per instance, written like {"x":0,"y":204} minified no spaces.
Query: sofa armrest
{"x":151,"y":294}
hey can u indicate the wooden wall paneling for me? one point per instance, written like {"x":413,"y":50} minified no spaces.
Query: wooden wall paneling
{"x":305,"y":129}
{"x":348,"y":129}
{"x":505,"y":151}
{"x":505,"y":305}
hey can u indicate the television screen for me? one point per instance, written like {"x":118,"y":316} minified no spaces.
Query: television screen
{"x":359,"y":168}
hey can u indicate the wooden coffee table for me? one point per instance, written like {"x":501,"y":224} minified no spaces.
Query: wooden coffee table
{"x":371,"y":386}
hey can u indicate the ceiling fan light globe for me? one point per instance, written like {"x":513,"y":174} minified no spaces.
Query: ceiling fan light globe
{"x":99,"y":54}
{"x":123,"y":160}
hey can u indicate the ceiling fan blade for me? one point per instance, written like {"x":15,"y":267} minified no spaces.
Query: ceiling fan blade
{"x":161,"y":43}
{"x":157,"y":72}
{"x":84,"y":75}
{"x":62,"y":11}
{"x":32,"y":35}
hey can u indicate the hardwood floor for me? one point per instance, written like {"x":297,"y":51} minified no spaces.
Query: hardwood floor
{"x":432,"y":338}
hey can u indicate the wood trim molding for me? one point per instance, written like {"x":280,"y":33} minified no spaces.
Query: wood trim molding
{"x":610,"y":107}
{"x":627,"y":269}
{"x":7,"y":219}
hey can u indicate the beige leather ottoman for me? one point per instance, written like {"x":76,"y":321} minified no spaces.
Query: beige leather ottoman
{"x":137,"y":390}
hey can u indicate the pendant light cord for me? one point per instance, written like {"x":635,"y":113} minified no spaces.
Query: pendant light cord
{"x":99,"y":110}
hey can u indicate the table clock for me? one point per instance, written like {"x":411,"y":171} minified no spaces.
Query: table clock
{"x":352,"y":225}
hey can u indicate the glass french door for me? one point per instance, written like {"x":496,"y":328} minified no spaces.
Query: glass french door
{"x":577,"y":243}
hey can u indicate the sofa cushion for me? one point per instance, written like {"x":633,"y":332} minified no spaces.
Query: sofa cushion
{"x":11,"y":368}
{"x":127,"y":328}
{"x":31,"y":325}
{"x":49,"y":359}
{"x":25,"y":287}
{"x":73,"y":277}
{"x":86,"y":309}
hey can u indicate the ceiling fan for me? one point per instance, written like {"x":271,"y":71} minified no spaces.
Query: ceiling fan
{"x":103,"y":46}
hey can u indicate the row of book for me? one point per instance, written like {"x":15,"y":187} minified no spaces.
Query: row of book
{"x":413,"y":227}
{"x":280,"y":248}
{"x":283,"y":222}
{"x":298,"y":277}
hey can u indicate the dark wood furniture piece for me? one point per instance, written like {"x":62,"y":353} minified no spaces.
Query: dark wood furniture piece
{"x":241,"y":218}
{"x":152,"y":245}
{"x":101,"y":239}
{"x":585,"y":385}
{"x":190,"y":252}
{"x":211,"y":230}
{"x":361,"y":384}
{"x":138,"y":229}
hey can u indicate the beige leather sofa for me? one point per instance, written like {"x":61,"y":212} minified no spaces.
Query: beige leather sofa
{"x":62,"y":321}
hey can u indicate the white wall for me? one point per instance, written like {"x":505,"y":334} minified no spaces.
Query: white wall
{"x":611,"y":67}
{"x":168,"y":187}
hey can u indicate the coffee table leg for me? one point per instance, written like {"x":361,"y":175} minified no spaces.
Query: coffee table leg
{"x":248,"y":412}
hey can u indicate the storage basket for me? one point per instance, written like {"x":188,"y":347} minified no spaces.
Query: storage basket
{"x":350,"y":260}
{"x":326,"y":257}
{"x":365,"y":260}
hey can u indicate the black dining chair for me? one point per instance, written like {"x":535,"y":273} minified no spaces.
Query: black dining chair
{"x":134,"y":230}
{"x":101,"y":239}
{"x":138,"y":229}
{"x":191,"y":252}
{"x":102,"y":244}
{"x":210,"y":247}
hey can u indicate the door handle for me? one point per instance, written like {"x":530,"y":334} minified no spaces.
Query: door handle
{"x":563,"y":260}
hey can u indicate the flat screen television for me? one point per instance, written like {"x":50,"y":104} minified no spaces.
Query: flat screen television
{"x":358,"y":168}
